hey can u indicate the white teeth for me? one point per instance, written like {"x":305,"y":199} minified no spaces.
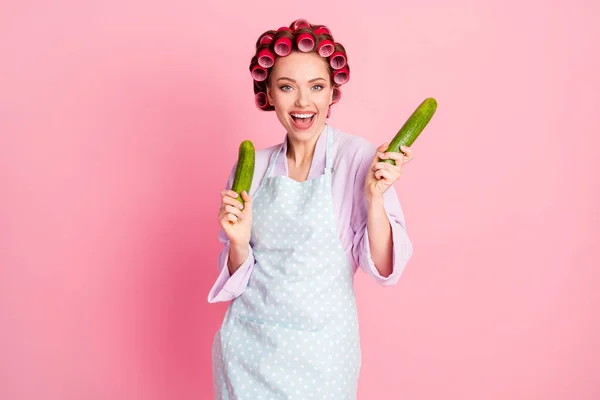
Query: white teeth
{"x":302,"y":115}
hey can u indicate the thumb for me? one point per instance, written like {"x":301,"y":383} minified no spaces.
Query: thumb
{"x":383,"y":147}
{"x":247,"y":201}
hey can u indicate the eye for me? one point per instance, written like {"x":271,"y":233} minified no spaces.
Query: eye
{"x":285,"y":88}
{"x":319,"y":87}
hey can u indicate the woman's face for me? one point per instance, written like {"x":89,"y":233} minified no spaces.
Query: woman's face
{"x":301,"y":93}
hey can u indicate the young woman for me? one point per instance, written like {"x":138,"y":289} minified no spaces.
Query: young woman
{"x":320,"y":206}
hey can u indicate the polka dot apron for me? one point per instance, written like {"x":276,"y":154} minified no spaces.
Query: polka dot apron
{"x":293,"y":332}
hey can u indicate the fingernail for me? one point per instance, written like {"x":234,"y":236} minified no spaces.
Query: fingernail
{"x":381,"y":155}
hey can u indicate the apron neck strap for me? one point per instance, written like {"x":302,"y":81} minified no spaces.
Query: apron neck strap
{"x":271,"y":164}
{"x":329,"y":152}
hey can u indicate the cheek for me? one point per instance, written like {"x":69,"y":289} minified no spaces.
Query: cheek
{"x":280,"y":100}
{"x":324,"y":101}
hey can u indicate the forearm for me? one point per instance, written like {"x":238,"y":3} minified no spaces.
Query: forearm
{"x":380,"y":235}
{"x":237,"y":255}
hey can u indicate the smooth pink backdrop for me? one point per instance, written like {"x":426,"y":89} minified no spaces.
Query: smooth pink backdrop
{"x":119,"y":122}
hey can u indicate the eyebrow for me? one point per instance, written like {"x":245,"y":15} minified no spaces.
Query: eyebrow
{"x":292,"y":80}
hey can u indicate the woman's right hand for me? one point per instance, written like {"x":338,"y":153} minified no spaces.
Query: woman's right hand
{"x":236,"y":220}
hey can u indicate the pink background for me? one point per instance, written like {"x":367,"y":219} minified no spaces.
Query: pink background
{"x":119,"y":122}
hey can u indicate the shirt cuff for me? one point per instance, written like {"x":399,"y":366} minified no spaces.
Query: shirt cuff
{"x":228,"y":287}
{"x":401,"y":253}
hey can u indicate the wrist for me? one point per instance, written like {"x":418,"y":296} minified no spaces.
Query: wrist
{"x":238,"y":247}
{"x":375,"y":200}
{"x":237,"y":255}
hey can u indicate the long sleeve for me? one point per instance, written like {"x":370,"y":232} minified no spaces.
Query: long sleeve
{"x":228,"y":287}
{"x":402,"y":246}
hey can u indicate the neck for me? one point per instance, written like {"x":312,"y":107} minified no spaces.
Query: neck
{"x":300,"y":152}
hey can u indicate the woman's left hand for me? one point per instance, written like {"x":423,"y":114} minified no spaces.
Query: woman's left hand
{"x":382,"y":175}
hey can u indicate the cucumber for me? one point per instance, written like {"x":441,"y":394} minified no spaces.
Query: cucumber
{"x":413,"y":127}
{"x":244,"y":171}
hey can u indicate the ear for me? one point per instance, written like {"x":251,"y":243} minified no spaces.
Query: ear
{"x":331,"y":96}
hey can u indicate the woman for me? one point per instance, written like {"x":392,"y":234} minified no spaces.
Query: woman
{"x":320,"y":206}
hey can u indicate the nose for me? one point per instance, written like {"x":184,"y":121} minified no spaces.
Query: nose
{"x":303,"y":98}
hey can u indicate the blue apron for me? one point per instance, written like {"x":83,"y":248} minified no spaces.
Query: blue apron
{"x":293,"y":332}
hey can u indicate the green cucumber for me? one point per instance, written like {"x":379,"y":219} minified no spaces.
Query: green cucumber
{"x":413,"y":127}
{"x":244,"y":171}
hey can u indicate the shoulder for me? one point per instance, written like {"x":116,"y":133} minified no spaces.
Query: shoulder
{"x":262,"y":158}
{"x":352,"y":148}
{"x":267,"y":152}
{"x":261,"y":163}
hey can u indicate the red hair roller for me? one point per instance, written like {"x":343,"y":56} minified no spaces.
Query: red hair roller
{"x":284,"y":28}
{"x":266,"y":59}
{"x":322,"y":30}
{"x":341,"y":76}
{"x":266,"y":39}
{"x":337,"y":60}
{"x":259,"y":74}
{"x":305,"y":42}
{"x":300,"y":23}
{"x":260,"y":100}
{"x":283,"y":46}
{"x":326,"y":48}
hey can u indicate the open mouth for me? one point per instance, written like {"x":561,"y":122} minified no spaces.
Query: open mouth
{"x":303,"y":119}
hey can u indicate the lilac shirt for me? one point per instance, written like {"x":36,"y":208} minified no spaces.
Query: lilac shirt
{"x":352,"y":156}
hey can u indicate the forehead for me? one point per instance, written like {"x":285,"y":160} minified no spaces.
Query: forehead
{"x":301,"y":66}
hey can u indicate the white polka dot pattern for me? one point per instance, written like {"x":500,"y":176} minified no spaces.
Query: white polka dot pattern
{"x":293,"y":333}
